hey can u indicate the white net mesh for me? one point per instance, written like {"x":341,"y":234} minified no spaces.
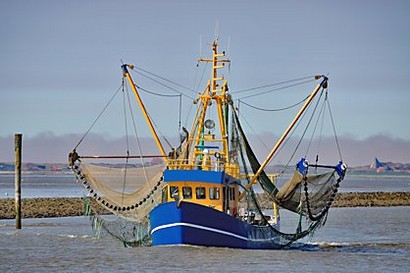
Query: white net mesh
{"x":130,"y":192}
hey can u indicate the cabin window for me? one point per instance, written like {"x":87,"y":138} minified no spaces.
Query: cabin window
{"x":200,"y":193}
{"x":187,"y":192}
{"x":214,"y":193}
{"x":173,"y":190}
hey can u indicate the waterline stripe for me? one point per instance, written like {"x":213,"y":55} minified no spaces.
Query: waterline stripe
{"x":200,"y":227}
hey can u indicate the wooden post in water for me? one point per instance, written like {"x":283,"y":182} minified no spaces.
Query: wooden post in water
{"x":17,"y":149}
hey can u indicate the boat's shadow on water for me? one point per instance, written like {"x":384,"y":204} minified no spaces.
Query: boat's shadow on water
{"x":359,"y":248}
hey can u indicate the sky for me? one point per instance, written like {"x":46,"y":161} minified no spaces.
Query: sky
{"x":60,"y":64}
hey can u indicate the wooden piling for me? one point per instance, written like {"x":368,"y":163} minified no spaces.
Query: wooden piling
{"x":17,"y":149}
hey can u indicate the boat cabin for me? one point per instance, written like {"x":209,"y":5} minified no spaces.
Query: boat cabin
{"x":214,"y":189}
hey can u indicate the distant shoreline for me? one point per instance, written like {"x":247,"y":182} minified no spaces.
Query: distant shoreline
{"x":74,"y":206}
{"x":63,"y":168}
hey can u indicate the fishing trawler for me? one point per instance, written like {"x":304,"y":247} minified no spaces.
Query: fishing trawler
{"x":202,"y":192}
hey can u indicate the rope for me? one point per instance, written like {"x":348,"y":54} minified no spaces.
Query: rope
{"x":157,"y":94}
{"x":160,"y":83}
{"x":180,"y":114}
{"x":253,"y":130}
{"x":272,"y":84}
{"x":321,"y":114}
{"x":160,"y":132}
{"x":308,"y":124}
{"x":321,"y":131}
{"x":98,"y":117}
{"x":202,"y":77}
{"x":195,"y":91}
{"x":274,"y":110}
{"x":301,"y":138}
{"x":126,"y":137}
{"x":137,"y":141}
{"x":277,"y":89}
{"x":162,"y":78}
{"x":334,"y":131}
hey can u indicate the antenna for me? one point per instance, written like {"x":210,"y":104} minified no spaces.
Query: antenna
{"x":228,"y":48}
{"x":216,"y":30}
{"x":200,"y":46}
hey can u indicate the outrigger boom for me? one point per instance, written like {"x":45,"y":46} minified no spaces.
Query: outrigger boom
{"x":323,"y":84}
{"x":143,"y":109}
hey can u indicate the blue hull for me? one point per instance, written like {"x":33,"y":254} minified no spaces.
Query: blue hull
{"x":193,"y":224}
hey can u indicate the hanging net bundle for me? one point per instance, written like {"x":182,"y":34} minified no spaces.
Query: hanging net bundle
{"x":308,"y":195}
{"x":131,"y":192}
{"x":127,"y":191}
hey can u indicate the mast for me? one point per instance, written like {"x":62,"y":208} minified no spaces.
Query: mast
{"x":285,"y":134}
{"x":143,"y":110}
{"x":216,"y":91}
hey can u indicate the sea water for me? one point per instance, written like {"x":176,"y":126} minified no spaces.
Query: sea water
{"x":66,"y":185}
{"x":372,"y":239}
{"x":353,"y":240}
{"x":42,"y":186}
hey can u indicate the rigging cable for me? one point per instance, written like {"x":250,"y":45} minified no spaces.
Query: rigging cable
{"x":334,"y":130}
{"x":273,"y":110}
{"x":321,"y":130}
{"x":307,"y":125}
{"x":272,"y":84}
{"x":277,"y":89}
{"x":153,"y":122}
{"x":256,"y":134}
{"x":157,"y":94}
{"x":290,"y":237}
{"x":98,"y":117}
{"x":160,"y":83}
{"x":320,"y":117}
{"x":159,"y":130}
{"x":137,"y":141}
{"x":162,"y":78}
{"x":126,"y":138}
{"x":298,"y":144}
{"x":180,"y":94}
{"x":167,"y":95}
{"x":202,"y":77}
{"x":180,"y":114}
{"x":195,"y":91}
{"x":264,"y":144}
{"x":125,"y":116}
{"x":285,"y":142}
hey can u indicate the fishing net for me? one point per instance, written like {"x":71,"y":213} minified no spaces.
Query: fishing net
{"x":309,"y":196}
{"x":129,"y":192}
